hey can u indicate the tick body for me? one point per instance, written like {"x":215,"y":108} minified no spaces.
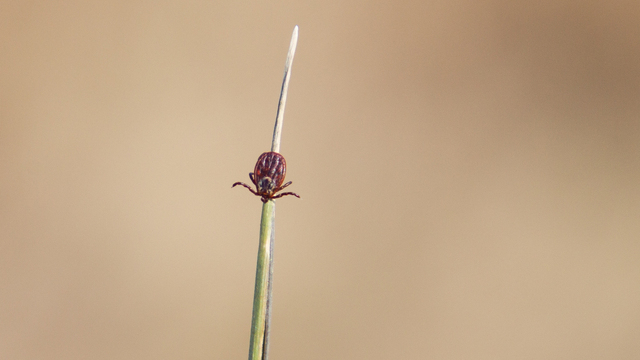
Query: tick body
{"x":268,"y":176}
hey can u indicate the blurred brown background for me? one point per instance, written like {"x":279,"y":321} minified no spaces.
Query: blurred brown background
{"x":469,"y":172}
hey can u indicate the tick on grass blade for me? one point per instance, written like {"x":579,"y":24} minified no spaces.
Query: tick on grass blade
{"x":268,"y":176}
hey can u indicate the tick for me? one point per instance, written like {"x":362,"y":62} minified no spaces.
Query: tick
{"x":268,"y":176}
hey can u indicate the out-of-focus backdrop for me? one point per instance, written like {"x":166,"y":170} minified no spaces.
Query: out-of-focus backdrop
{"x":469,"y":172}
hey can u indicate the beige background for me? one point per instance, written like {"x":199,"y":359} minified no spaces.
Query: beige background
{"x":469,"y":171}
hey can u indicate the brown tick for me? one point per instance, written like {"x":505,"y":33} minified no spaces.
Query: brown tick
{"x":268,"y":176}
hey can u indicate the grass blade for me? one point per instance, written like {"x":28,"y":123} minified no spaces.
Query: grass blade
{"x":261,"y":318}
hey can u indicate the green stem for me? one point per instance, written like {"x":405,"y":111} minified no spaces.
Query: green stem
{"x":261,"y":319}
{"x":261,"y":294}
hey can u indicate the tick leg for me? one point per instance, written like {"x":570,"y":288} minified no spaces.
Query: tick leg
{"x":247,"y":186}
{"x":284,"y":194}
{"x":252,"y":179}
{"x":284,"y":186}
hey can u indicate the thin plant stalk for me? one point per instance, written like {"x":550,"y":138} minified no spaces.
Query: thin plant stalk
{"x":261,"y":318}
{"x":257,"y":350}
{"x":277,"y":129}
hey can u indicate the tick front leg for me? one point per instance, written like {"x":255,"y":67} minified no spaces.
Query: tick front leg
{"x":247,"y":186}
{"x":284,"y":186}
{"x":285,"y":194}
